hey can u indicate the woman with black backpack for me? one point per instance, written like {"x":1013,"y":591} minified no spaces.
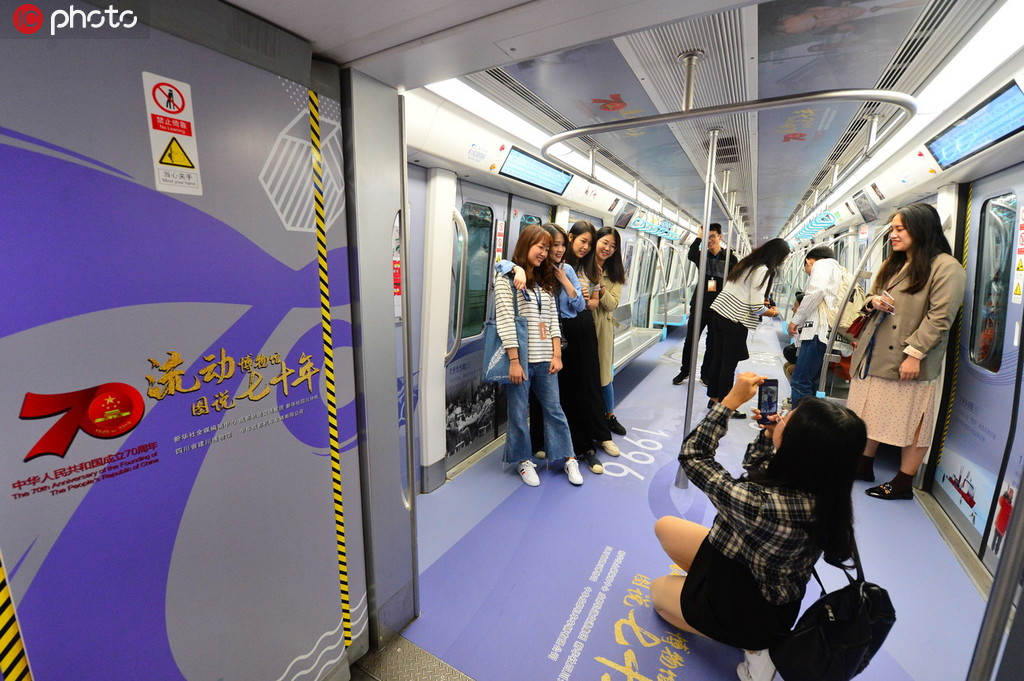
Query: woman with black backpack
{"x":747,"y":574}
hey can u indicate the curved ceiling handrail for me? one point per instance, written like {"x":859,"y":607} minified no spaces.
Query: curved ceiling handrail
{"x":906,"y":102}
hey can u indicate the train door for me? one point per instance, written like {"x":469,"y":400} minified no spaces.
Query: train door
{"x":977,"y":450}
{"x":471,"y":406}
{"x":525,"y":212}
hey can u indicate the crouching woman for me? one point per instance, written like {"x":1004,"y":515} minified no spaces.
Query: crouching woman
{"x":746,"y":575}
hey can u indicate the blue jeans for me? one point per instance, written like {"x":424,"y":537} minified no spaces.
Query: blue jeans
{"x":807,"y":373}
{"x":557,"y":441}
{"x":608,"y":393}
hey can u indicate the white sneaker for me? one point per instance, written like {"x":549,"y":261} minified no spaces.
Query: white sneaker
{"x":572,"y":469}
{"x":757,"y":665}
{"x":540,"y":454}
{"x":528,"y":472}
{"x":610,"y":448}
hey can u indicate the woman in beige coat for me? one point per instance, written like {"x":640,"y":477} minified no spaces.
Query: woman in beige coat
{"x":914,"y":300}
{"x":603,"y":276}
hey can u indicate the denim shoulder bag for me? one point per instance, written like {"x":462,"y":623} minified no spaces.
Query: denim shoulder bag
{"x":496,"y":363}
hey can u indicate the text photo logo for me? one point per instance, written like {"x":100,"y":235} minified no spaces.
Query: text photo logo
{"x":28,"y":19}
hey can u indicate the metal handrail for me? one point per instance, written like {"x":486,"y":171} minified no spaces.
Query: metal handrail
{"x":834,"y":332}
{"x":460,"y":301}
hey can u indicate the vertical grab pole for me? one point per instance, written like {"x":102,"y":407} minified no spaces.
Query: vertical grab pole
{"x":693,"y":326}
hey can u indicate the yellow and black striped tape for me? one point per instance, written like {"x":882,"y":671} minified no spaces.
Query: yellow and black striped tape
{"x":13,"y":663}
{"x":325,"y":323}
{"x":954,"y":336}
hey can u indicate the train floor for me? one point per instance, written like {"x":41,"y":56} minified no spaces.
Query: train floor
{"x":521,"y":583}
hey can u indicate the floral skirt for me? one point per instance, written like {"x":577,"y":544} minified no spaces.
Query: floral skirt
{"x":892,"y":410}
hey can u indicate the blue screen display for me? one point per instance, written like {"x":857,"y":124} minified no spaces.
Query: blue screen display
{"x":529,"y":169}
{"x":997,"y":118}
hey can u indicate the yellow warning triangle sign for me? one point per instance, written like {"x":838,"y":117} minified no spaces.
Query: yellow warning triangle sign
{"x":1020,"y":264}
{"x":174,"y":155}
{"x":1016,"y":289}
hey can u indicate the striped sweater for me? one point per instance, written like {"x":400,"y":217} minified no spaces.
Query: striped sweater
{"x":742,"y":301}
{"x":504,"y":316}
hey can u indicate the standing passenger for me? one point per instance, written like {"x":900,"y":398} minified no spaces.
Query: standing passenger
{"x":738,"y":310}
{"x":543,"y":361}
{"x":810,"y":323}
{"x":716,"y":273}
{"x":604,"y":273}
{"x":915,"y":297}
{"x":577,"y":381}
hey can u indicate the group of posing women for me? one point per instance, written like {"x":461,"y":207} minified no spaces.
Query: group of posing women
{"x":746,"y":574}
{"x":567,"y":286}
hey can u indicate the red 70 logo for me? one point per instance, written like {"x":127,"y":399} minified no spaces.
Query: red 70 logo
{"x":102,"y":411}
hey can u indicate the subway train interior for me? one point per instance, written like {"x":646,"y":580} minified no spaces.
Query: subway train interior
{"x":309,"y":484}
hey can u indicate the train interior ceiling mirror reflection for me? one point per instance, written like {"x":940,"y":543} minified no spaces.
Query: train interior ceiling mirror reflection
{"x":531,"y":170}
{"x":992,"y":121}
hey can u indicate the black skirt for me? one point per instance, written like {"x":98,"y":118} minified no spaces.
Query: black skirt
{"x":721,"y":600}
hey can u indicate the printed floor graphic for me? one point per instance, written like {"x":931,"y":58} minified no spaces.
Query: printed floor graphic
{"x":553,"y":582}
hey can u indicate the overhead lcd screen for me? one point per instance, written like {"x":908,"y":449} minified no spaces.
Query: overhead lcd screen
{"x":995,"y":119}
{"x":531,"y":170}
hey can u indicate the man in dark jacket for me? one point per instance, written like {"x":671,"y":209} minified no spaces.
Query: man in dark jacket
{"x":715,"y":279}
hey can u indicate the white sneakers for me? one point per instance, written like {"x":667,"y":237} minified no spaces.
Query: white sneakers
{"x":757,"y":665}
{"x":572,"y":470}
{"x":528,"y":472}
{"x":610,"y":448}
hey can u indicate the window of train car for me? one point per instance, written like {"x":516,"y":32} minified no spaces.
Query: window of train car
{"x":992,"y":280}
{"x":479,"y":225}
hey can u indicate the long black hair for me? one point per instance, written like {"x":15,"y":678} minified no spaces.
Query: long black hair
{"x":613,"y":267}
{"x":556,"y":231}
{"x":821,"y":445}
{"x":771,"y":254}
{"x":578,"y":228}
{"x":927,"y":241}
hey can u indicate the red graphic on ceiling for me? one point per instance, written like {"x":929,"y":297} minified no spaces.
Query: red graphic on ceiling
{"x":613,"y":103}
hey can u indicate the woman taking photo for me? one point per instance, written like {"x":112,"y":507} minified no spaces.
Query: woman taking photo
{"x":738,"y":310}
{"x":537,"y":370}
{"x":915,"y":298}
{"x":603,"y":272}
{"x":746,"y":575}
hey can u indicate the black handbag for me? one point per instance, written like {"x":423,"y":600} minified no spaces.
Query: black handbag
{"x":838,"y":634}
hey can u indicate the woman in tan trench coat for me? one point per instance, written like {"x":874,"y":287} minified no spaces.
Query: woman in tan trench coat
{"x":605,"y":275}
{"x":915,"y":298}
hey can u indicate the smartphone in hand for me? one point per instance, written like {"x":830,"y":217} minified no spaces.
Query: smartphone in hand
{"x":768,"y":400}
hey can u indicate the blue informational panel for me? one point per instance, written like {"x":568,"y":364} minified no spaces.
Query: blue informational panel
{"x":169,"y":511}
{"x":995,"y":119}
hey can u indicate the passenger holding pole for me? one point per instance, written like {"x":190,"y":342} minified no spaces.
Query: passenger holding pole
{"x":719,"y":261}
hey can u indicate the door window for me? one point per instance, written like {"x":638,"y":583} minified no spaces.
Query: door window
{"x":992,"y":280}
{"x":479,"y":224}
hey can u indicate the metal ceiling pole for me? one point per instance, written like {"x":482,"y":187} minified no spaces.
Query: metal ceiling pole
{"x":689,"y":59}
{"x":693,"y":326}
{"x":906,"y":103}
{"x":728,"y":237}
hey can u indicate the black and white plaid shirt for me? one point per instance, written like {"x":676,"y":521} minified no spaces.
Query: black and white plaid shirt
{"x":765,"y":528}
